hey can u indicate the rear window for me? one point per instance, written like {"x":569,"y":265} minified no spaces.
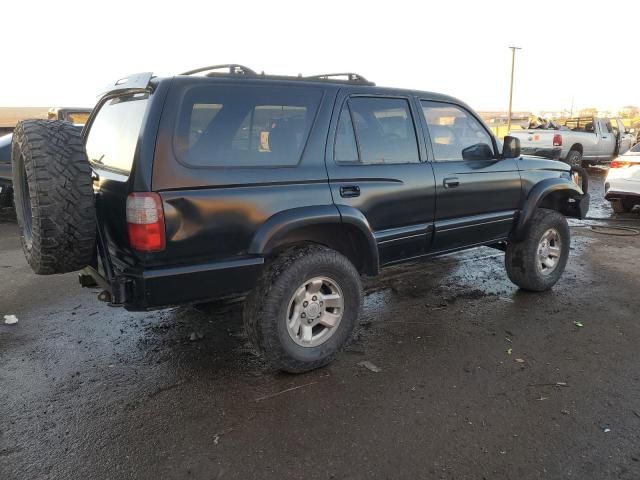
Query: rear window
{"x":113,"y":137}
{"x":248,"y":126}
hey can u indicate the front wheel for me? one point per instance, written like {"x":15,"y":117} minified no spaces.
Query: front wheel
{"x":304,"y":308}
{"x":537,"y":262}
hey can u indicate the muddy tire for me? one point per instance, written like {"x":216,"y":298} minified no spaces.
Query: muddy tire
{"x":53,"y":196}
{"x":304,"y":308}
{"x":537,"y":262}
{"x":574,"y":158}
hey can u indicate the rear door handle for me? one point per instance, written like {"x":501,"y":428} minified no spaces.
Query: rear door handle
{"x":451,"y":182}
{"x":349,"y":191}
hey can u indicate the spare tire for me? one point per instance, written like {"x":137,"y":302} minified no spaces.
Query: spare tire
{"x":53,"y":196}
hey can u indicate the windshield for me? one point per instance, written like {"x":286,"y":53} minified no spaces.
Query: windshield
{"x":113,"y":135}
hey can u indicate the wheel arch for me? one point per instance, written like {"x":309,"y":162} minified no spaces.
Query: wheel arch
{"x":577,"y":147}
{"x":323,"y":225}
{"x":552,"y":193}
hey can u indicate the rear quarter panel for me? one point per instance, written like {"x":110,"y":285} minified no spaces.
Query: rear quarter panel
{"x":215,"y":213}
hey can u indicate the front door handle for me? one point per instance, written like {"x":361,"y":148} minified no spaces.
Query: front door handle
{"x":349,"y":191}
{"x":451,"y":182}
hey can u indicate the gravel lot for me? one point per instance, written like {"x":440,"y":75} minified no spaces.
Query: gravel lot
{"x":478,"y":380}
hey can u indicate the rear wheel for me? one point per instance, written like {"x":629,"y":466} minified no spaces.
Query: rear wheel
{"x":53,"y":196}
{"x":304,"y":308}
{"x":537,"y":262}
{"x":574,"y":158}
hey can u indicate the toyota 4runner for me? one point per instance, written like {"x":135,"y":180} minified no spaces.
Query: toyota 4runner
{"x":222,"y":181}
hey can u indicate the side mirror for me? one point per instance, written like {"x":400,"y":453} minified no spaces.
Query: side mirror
{"x":511,"y":148}
{"x":479,"y":151}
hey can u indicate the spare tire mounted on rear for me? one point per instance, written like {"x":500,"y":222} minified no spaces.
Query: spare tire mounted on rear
{"x":53,"y":196}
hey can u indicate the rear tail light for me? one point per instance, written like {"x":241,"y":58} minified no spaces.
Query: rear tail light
{"x":557,"y":140}
{"x":619,"y":164}
{"x":145,"y":222}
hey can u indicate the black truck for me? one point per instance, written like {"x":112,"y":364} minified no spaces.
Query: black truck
{"x":223,"y":182}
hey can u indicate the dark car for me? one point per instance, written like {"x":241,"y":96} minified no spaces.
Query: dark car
{"x":285,"y":189}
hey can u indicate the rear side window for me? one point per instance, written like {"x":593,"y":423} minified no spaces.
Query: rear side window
{"x":113,"y":136}
{"x":384,"y":132}
{"x":248,"y":126}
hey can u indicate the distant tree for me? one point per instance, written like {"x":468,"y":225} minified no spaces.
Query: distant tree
{"x":630,"y":111}
{"x":588,"y":112}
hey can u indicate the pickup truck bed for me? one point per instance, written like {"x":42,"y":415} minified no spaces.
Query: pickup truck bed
{"x":584,"y":139}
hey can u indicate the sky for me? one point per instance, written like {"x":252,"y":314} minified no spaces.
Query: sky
{"x":586,"y":53}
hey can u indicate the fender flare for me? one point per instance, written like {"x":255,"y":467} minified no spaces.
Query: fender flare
{"x":353,"y":216}
{"x":535,"y":197}
{"x":282,"y":223}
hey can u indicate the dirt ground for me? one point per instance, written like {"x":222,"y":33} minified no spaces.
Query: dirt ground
{"x":478,"y":380}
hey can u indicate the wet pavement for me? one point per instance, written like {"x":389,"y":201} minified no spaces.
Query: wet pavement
{"x":478,"y":379}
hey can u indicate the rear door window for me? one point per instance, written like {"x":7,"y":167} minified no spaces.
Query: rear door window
{"x":113,"y":134}
{"x":248,"y":126}
{"x":384,"y":132}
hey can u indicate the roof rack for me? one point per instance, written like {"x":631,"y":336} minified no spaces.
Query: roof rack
{"x":233,"y":69}
{"x":349,"y":77}
{"x":242,"y":71}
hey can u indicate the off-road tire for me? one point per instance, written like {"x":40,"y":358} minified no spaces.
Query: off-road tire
{"x":53,"y":196}
{"x":574,"y":158}
{"x":265,"y":309}
{"x":521,"y":257}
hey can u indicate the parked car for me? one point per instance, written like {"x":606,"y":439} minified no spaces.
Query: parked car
{"x":577,"y":141}
{"x":622,"y":185}
{"x":76,"y":116}
{"x":221,"y":181}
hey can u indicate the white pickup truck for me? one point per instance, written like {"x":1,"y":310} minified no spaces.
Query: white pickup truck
{"x":577,"y":141}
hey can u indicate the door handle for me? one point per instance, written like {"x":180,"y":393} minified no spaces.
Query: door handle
{"x":451,"y":182}
{"x":349,"y":191}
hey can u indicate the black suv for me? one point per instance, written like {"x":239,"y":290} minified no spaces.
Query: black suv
{"x":223,"y":182}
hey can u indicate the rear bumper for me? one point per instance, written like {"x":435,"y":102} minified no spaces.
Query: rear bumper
{"x":164,"y":287}
{"x":552,"y":153}
{"x":621,"y":187}
{"x":615,"y":194}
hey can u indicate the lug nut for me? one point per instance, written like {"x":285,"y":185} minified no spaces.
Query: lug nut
{"x":314,"y":298}
{"x":303,"y":315}
{"x":309,"y":321}
{"x":304,"y":304}
{"x":321,"y":303}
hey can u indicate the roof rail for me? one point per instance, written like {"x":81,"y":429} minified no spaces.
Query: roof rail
{"x":242,"y":71}
{"x":347,"y":76}
{"x":233,"y":69}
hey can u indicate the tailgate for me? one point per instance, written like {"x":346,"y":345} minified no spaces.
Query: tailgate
{"x":535,"y":138}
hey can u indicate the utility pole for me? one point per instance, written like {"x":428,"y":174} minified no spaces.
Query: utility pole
{"x":513,"y":64}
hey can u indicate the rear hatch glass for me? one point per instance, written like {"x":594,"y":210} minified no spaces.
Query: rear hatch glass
{"x":113,"y":134}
